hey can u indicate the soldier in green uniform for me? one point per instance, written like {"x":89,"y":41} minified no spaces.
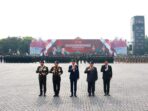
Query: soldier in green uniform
{"x":0,"y":58}
{"x":56,"y":70}
{"x":43,"y":71}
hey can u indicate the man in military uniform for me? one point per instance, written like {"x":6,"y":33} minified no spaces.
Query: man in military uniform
{"x":56,"y":70}
{"x":43,"y":71}
{"x":74,"y":76}
{"x":0,"y":58}
{"x":92,"y":76}
{"x":107,"y":75}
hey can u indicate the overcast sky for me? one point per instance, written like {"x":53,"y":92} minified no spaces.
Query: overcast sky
{"x":65,"y":19}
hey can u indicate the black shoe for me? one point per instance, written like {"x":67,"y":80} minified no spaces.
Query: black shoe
{"x":105,"y":94}
{"x":44,"y":94}
{"x":89,"y":94}
{"x":108,"y":94}
{"x":93,"y":94}
{"x":71,"y":95}
{"x":75,"y":95}
{"x":55,"y":96}
{"x":40,"y":94}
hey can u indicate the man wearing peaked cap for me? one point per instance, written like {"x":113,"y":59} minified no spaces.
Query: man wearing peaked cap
{"x":91,"y":62}
{"x":43,"y":71}
{"x":56,"y":62}
{"x":57,"y":71}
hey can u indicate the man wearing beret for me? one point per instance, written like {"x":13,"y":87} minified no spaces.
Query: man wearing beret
{"x":43,"y":71}
{"x":92,"y":76}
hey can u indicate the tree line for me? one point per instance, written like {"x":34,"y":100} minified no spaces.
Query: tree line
{"x":15,"y":45}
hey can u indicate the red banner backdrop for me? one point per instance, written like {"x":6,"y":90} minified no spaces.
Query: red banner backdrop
{"x":77,"y":46}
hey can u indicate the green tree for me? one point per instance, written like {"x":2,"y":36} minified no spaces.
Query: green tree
{"x":25,"y":44}
{"x":11,"y":45}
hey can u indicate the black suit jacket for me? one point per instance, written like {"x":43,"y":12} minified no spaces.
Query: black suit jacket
{"x":74,"y":75}
{"x":106,"y":74}
{"x":92,"y":75}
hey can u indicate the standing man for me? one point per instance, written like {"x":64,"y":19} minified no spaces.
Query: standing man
{"x":0,"y":58}
{"x":107,"y":75}
{"x":56,"y":70}
{"x":43,"y":71}
{"x":92,"y":76}
{"x":74,"y":76}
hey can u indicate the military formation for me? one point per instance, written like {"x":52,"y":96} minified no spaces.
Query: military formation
{"x":79,"y":59}
{"x":131,"y":59}
{"x":1,"y":59}
{"x":51,"y":59}
{"x":73,"y":69}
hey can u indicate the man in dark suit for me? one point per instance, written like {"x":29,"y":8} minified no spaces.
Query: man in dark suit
{"x":92,"y":76}
{"x":56,"y":70}
{"x":74,"y":76}
{"x":107,"y":75}
{"x":43,"y":71}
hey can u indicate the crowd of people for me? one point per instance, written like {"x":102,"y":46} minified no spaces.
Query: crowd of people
{"x":92,"y":76}
{"x":131,"y":59}
{"x":79,"y":59}
{"x":51,"y":59}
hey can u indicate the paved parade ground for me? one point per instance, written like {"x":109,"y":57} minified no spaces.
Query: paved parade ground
{"x":19,"y":89}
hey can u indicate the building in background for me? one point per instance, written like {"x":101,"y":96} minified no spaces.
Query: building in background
{"x":138,"y":35}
